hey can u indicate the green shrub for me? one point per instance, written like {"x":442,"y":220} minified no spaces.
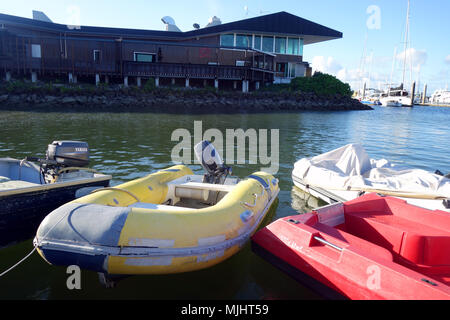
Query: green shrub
{"x":321,"y":84}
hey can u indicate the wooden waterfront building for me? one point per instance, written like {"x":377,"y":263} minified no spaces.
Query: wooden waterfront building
{"x":242,"y":55}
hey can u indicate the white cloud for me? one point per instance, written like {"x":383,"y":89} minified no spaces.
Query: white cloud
{"x":414,"y":58}
{"x":447,"y":59}
{"x":355,"y":77}
{"x":325,"y":65}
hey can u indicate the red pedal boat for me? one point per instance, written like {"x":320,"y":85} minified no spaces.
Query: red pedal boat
{"x":373,"y":247}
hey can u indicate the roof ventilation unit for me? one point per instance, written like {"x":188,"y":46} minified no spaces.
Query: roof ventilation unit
{"x":214,"y":21}
{"x":170,"y":24}
{"x":40,"y":16}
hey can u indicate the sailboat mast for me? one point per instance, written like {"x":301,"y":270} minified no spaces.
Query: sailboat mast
{"x":406,"y":43}
{"x":392,"y":70}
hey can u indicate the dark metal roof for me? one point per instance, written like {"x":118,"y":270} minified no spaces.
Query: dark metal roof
{"x":280,"y":23}
{"x":276,"y":23}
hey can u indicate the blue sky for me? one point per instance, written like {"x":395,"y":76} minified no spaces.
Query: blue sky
{"x":429,"y":55}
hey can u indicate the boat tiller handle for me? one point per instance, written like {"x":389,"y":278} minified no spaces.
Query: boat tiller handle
{"x":325,"y":242}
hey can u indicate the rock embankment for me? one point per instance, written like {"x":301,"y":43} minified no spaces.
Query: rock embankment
{"x":183,"y":101}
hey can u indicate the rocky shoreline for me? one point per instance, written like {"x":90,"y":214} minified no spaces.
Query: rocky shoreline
{"x":182,"y":101}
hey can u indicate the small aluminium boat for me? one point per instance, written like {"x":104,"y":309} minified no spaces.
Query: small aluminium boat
{"x":171,"y":221}
{"x":31,"y":188}
{"x":347,"y":172}
{"x":373,"y":247}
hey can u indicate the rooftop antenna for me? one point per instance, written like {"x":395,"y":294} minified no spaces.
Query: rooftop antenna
{"x":196,"y":26}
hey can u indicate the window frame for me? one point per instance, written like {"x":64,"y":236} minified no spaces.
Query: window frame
{"x":136,"y":53}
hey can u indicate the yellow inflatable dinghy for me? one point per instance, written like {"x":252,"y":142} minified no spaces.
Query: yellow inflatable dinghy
{"x":170,"y":221}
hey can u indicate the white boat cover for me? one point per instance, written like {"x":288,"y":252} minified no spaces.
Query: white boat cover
{"x":350,"y":168}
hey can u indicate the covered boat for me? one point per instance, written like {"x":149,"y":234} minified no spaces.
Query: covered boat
{"x":171,"y":221}
{"x":373,"y":247}
{"x":348,"y":172}
{"x":31,"y":188}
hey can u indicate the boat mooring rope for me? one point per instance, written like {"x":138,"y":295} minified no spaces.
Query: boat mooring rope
{"x":18,"y":263}
{"x":35,"y":246}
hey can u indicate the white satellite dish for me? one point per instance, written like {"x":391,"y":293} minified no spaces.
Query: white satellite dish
{"x":170,"y":24}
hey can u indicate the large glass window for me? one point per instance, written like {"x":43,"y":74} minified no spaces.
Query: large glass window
{"x":280,"y":45}
{"x":243,"y":41}
{"x":144,"y":57}
{"x":267,"y":45}
{"x":227,"y":40}
{"x":257,"y":43}
{"x":293,"y":46}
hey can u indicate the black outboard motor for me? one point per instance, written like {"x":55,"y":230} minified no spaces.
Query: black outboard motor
{"x":69,"y":153}
{"x":216,"y":171}
{"x":60,"y":155}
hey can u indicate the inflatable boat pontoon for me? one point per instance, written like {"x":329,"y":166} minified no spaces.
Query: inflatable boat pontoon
{"x":171,"y":221}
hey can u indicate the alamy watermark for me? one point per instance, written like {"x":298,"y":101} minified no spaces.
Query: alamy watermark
{"x":73,"y":282}
{"x":237,"y":144}
{"x":374,"y":20}
{"x":374,"y":277}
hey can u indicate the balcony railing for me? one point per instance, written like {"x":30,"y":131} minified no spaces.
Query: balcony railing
{"x":180,"y":70}
{"x":138,"y":69}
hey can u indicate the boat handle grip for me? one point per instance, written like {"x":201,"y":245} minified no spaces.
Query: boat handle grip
{"x":256,"y":198}
{"x":325,"y":242}
{"x":254,"y":204}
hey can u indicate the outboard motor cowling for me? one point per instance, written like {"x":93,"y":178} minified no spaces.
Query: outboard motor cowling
{"x":62,"y":156}
{"x":216,"y":171}
{"x":69,"y":153}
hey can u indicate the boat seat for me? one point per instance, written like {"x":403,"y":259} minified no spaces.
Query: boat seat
{"x":153,"y":206}
{"x":407,"y":239}
{"x":206,"y":186}
{"x":16,"y":184}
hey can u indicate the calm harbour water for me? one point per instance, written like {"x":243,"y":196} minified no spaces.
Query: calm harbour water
{"x":131,"y":145}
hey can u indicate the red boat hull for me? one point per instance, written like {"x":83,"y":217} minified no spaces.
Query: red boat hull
{"x":370,"y":248}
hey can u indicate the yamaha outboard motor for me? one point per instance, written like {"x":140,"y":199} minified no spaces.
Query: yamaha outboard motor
{"x":61,"y":155}
{"x":216,"y":171}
